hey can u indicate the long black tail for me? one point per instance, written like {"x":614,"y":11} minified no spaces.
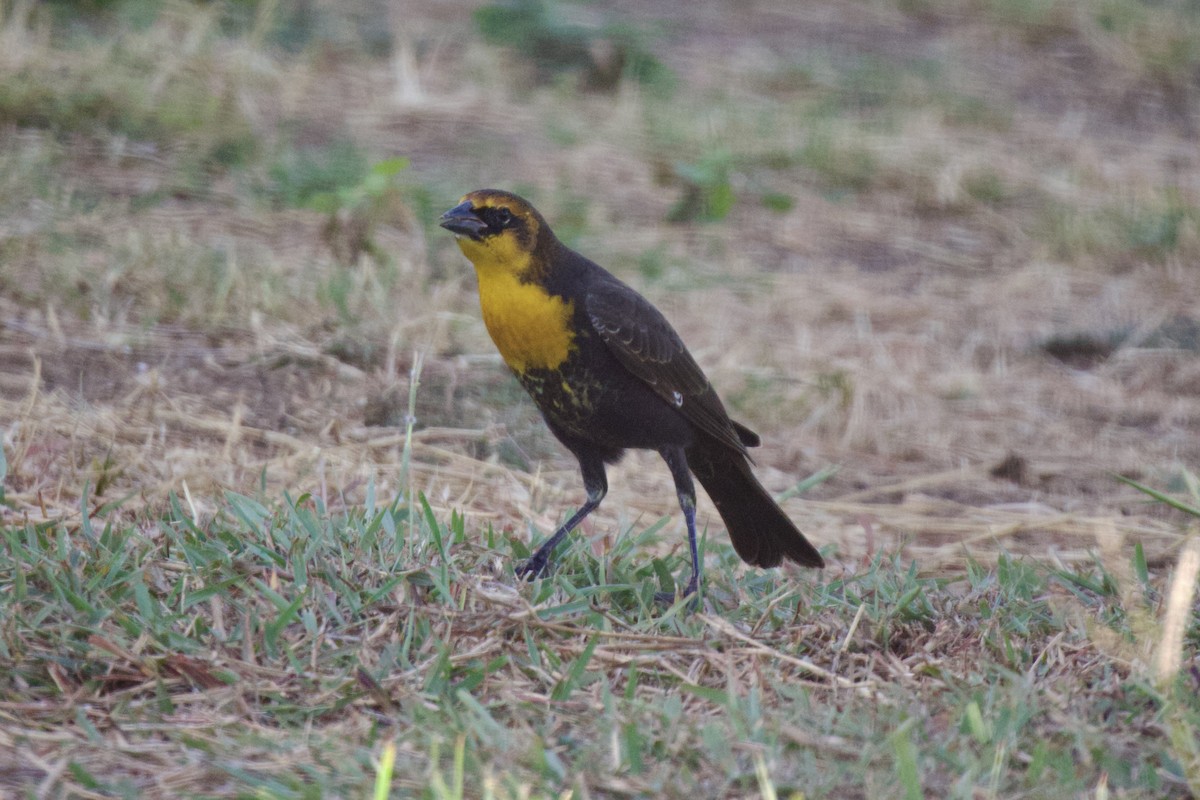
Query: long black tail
{"x":761,"y":533}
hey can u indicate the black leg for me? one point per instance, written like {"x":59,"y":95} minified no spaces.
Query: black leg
{"x":596,"y":483}
{"x":677,"y":462}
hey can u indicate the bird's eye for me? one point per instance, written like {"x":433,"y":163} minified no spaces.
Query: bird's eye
{"x":503,"y":217}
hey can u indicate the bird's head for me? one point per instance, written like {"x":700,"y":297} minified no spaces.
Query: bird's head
{"x":497,"y":230}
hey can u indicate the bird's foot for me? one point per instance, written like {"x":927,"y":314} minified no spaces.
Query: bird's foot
{"x":532,"y":568}
{"x":669,"y":599}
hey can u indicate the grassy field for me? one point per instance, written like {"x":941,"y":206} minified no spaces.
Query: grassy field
{"x":264,"y":479}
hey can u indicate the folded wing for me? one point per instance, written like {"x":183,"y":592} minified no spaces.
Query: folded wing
{"x":646,"y":345}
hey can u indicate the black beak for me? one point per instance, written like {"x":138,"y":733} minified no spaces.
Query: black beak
{"x":463,"y":221}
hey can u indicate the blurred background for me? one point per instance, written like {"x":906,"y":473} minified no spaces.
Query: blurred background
{"x":948,"y":250}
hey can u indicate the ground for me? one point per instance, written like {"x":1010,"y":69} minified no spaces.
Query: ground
{"x":941,"y":255}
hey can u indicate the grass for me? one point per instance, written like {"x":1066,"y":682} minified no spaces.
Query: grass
{"x":1122,"y":235}
{"x":263,"y":479}
{"x":140,"y":84}
{"x":284,"y":645}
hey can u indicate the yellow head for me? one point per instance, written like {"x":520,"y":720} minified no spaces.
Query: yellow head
{"x":513,"y":251}
{"x":497,"y":231}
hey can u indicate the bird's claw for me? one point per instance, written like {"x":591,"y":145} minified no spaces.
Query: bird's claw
{"x":531,"y":569}
{"x":668,"y":599}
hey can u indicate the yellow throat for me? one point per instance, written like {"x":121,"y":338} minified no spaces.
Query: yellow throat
{"x":530,"y":326}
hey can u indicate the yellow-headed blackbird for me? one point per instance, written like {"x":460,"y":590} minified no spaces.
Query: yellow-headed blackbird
{"x":608,"y":372}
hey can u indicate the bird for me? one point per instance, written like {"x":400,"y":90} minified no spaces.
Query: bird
{"x":609,"y":374}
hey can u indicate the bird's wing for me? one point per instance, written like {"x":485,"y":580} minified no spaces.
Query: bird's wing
{"x":645,"y":343}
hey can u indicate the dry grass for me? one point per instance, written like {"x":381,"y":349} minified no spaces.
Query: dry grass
{"x":959,"y":266}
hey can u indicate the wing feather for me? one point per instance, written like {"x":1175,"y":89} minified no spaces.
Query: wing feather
{"x":645,"y":343}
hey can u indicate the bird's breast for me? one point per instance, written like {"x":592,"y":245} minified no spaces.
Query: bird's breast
{"x":530,"y":326}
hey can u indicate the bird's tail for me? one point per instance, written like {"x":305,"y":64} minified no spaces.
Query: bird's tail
{"x":761,"y":533}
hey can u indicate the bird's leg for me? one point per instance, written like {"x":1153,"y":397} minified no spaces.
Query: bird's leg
{"x":596,"y":483}
{"x":677,"y":462}
{"x":688,"y":504}
{"x":538,"y":562}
